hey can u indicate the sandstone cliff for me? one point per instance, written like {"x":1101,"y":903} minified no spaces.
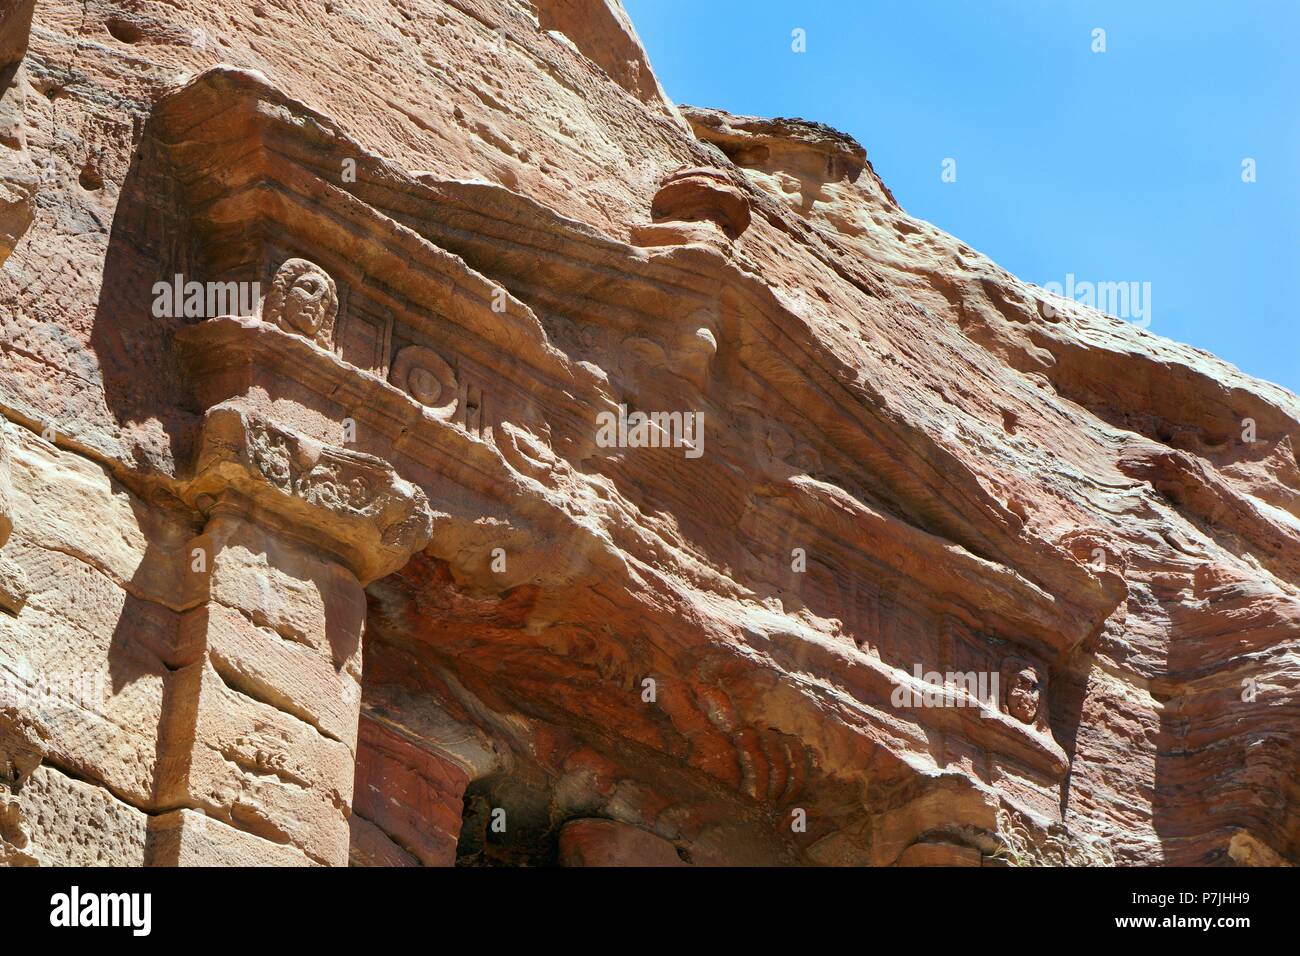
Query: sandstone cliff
{"x":347,"y":569}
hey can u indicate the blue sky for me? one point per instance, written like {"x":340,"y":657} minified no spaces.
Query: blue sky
{"x":1117,"y":166}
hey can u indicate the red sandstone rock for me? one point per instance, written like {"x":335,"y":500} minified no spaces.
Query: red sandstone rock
{"x":939,"y":854}
{"x":411,"y":794}
{"x":609,"y":843}
{"x":343,"y":571}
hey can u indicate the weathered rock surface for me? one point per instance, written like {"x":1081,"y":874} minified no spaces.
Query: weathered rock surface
{"x":609,"y":843}
{"x":343,"y":568}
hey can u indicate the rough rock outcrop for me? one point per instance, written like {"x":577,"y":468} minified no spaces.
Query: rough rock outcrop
{"x":442,"y":449}
{"x":18,"y":175}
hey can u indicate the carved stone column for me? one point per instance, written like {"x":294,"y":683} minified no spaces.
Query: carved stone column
{"x":262,"y":719}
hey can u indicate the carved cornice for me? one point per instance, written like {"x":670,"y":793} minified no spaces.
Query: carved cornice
{"x":233,"y":357}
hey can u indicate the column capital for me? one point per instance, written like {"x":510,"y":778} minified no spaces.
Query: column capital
{"x":350,"y":504}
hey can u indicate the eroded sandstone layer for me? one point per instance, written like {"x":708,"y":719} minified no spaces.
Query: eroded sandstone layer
{"x":360,"y":554}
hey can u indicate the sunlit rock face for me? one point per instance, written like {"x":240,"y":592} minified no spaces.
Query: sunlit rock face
{"x":483,"y":460}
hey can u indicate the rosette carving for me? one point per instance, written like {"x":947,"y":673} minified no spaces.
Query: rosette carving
{"x":422,"y":374}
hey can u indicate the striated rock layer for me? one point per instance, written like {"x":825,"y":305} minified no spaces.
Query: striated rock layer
{"x":330,"y":530}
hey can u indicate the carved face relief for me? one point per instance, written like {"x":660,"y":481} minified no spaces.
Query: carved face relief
{"x":422,"y":374}
{"x":1022,"y":690}
{"x":303,"y":300}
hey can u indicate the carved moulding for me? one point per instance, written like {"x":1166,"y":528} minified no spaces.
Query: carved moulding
{"x":422,"y":374}
{"x":304,"y":301}
{"x":351,"y":504}
{"x":245,"y":361}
